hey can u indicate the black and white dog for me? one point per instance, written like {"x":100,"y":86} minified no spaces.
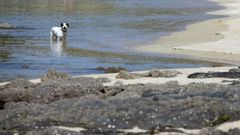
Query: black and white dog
{"x":59,"y":33}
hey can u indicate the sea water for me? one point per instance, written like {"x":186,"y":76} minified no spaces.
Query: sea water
{"x":100,"y":34}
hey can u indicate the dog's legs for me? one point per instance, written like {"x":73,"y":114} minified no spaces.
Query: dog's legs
{"x":53,"y":37}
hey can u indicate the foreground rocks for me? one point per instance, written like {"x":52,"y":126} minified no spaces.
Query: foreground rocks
{"x":28,"y":108}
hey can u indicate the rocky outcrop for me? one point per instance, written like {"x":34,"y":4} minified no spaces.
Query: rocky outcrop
{"x":84,"y":102}
{"x":232,"y":73}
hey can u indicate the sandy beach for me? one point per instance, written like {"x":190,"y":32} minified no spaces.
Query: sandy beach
{"x":104,"y":104}
{"x":181,"y":78}
{"x":212,"y":40}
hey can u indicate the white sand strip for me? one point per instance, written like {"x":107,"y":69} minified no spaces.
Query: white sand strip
{"x":229,"y":125}
{"x":74,"y":129}
{"x":32,"y":81}
{"x":133,"y":130}
{"x":225,"y":127}
{"x":213,"y":40}
{"x":182,"y":78}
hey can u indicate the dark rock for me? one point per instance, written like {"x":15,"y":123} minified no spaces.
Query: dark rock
{"x":112,"y":91}
{"x":4,"y":132}
{"x":6,"y":26}
{"x":215,"y":75}
{"x":100,"y":68}
{"x":2,"y":103}
{"x":234,"y":70}
{"x":111,"y":69}
{"x":127,"y":75}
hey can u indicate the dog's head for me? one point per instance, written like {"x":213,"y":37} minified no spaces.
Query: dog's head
{"x":64,"y":26}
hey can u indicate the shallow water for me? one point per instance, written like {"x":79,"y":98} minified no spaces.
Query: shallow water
{"x":101,"y":31}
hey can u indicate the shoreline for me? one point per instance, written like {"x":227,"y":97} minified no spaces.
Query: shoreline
{"x":182,"y":78}
{"x":212,"y":40}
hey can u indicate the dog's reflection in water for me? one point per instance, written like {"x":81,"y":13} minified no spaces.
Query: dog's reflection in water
{"x":58,"y":48}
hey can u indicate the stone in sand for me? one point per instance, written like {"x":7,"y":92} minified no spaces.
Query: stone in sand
{"x":127,"y":75}
{"x":118,"y":83}
{"x":165,"y":73}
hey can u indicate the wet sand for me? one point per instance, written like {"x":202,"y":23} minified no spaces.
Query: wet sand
{"x":214,"y":40}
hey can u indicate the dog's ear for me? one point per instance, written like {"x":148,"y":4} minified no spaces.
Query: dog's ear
{"x":68,"y":25}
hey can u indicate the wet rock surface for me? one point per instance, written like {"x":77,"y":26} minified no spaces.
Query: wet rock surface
{"x":232,"y":73}
{"x":28,"y":108}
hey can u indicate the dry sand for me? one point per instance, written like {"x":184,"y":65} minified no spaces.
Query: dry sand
{"x":213,"y":40}
{"x":182,"y":78}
